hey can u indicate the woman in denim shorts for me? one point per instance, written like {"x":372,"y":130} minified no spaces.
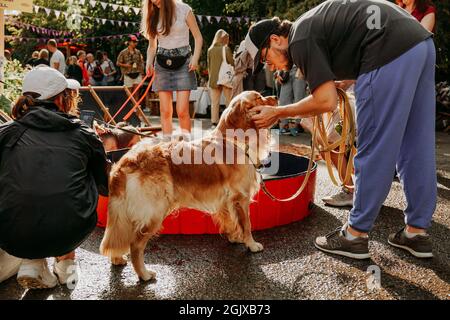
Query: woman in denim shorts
{"x":175,"y":65}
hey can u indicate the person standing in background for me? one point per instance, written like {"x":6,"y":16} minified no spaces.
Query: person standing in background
{"x":57,"y":61}
{"x":42,"y":58}
{"x":292,"y":90}
{"x":82,"y":63}
{"x":131,"y":62}
{"x":73,"y":70}
{"x":423,"y":11}
{"x":242,"y":63}
{"x":108,"y":70}
{"x":33,"y":59}
{"x":215,"y":58}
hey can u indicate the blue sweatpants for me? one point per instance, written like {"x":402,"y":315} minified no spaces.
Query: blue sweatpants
{"x":395,"y":113}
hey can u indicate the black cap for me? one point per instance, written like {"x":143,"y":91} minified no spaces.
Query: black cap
{"x":256,"y":38}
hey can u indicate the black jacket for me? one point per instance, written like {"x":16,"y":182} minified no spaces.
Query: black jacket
{"x":52,"y":167}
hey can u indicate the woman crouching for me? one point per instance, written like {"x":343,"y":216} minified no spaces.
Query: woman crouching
{"x":52,"y":168}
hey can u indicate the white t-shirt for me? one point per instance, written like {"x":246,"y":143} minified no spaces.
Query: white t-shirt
{"x":58,"y":56}
{"x":179,"y":32}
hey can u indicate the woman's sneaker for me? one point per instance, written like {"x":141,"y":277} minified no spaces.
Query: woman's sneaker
{"x":419,"y":246}
{"x":335,"y":242}
{"x":66,"y":269}
{"x":35,"y":274}
{"x":341,"y":199}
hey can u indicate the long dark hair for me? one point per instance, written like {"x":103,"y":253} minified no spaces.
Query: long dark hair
{"x":28,"y":100}
{"x":422,"y":5}
{"x":151,"y":15}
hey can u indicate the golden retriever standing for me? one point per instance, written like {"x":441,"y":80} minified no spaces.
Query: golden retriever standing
{"x":151,"y":181}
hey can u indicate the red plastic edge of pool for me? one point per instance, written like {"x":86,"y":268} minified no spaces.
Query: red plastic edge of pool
{"x":264,"y":212}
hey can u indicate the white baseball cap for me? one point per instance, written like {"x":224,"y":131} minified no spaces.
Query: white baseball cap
{"x":47,"y":82}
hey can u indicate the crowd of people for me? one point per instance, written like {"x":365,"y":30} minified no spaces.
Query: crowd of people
{"x":44,"y":119}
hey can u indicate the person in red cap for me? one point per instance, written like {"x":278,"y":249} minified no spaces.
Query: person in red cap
{"x":131,"y":63}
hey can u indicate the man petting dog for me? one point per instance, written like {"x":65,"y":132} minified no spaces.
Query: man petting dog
{"x":392,"y":58}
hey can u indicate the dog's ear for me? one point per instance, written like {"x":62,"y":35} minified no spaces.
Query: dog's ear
{"x":271,"y":100}
{"x":233,"y":114}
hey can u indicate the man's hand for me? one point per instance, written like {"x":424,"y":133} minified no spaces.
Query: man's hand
{"x":265,"y":117}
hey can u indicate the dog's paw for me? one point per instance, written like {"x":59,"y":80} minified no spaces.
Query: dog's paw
{"x":119,"y":261}
{"x":147,"y":275}
{"x":255,"y":247}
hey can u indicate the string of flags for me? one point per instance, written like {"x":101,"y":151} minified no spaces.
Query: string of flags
{"x":58,"y":13}
{"x":137,"y":11}
{"x":40,"y":30}
{"x":72,"y":40}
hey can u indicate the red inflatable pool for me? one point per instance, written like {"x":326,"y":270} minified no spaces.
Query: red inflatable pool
{"x":283,"y":177}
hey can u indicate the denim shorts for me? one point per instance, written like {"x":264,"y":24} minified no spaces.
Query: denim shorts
{"x":174,"y":80}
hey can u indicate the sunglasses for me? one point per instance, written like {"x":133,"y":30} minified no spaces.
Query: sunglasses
{"x":264,"y":60}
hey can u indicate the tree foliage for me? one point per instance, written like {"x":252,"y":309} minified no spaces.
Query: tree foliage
{"x":254,"y":9}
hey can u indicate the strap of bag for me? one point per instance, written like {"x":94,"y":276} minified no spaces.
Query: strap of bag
{"x":224,"y":55}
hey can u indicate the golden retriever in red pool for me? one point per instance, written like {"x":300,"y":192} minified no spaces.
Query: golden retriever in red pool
{"x":216,"y":174}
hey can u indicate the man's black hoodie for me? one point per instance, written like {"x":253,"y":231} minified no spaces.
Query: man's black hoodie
{"x":52,"y":168}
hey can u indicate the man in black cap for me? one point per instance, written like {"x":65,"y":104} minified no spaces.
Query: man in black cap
{"x":392,"y":58}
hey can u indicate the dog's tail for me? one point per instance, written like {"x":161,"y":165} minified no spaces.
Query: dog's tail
{"x":119,"y":231}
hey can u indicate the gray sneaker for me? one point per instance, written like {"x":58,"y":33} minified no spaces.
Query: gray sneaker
{"x":341,"y":199}
{"x":335,"y":242}
{"x":419,"y":246}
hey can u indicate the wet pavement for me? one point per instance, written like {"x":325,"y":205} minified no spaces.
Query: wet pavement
{"x":208,"y":267}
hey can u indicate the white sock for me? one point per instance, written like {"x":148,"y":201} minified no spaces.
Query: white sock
{"x":167,"y":137}
{"x":410,"y":235}
{"x":348,"y":235}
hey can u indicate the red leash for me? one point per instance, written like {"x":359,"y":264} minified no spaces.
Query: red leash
{"x":129,"y":98}
{"x":128,"y":115}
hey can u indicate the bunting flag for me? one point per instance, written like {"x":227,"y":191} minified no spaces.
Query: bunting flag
{"x":72,"y":40}
{"x":126,"y":9}
{"x":39,"y":30}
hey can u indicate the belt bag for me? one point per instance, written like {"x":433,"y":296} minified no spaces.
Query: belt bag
{"x":133,"y":75}
{"x":171,"y":62}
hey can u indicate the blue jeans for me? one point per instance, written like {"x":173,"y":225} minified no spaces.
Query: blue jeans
{"x":292,"y":91}
{"x":395,"y":112}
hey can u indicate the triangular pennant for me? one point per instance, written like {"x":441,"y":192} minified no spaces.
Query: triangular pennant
{"x":119,"y":23}
{"x":66,"y":14}
{"x":115,"y":7}
{"x":104,"y":5}
{"x":247,"y":20}
{"x":125,"y":9}
{"x":126,"y":23}
{"x":57,"y":13}
{"x":112,"y":22}
{"x":218,"y":18}
{"x":48,"y":11}
{"x":230,"y":19}
{"x":82,"y":2}
{"x":238,"y":19}
{"x":208,"y":18}
{"x":103,"y":21}
{"x":93,"y":3}
{"x":36,"y":9}
{"x":136,"y":10}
